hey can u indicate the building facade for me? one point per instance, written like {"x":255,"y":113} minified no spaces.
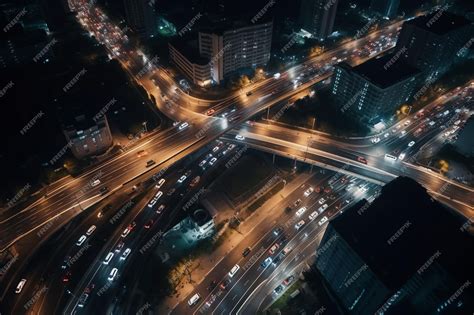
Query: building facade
{"x":373,"y":91}
{"x":236,"y":47}
{"x":141,"y":16}
{"x":388,"y":259}
{"x":196,"y":68}
{"x":87,"y":136}
{"x":317,"y":17}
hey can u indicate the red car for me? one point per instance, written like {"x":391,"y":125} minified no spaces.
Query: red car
{"x":361,"y":159}
{"x":210,"y":112}
{"x":149,"y":224}
{"x":67,"y":276}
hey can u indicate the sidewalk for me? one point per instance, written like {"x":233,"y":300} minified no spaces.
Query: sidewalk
{"x":202,"y":266}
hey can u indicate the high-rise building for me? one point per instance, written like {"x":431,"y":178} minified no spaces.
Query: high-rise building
{"x":317,"y":17}
{"x":237,"y":46}
{"x":190,"y":63}
{"x":141,"y":17}
{"x":385,"y":8}
{"x":398,"y":255}
{"x":86,"y":134}
{"x":431,"y":42}
{"x":375,"y":89}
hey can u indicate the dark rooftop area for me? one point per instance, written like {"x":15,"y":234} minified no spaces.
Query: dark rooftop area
{"x":440,"y":22}
{"x":426,"y":225}
{"x":386,"y":71}
{"x":190,"y":50}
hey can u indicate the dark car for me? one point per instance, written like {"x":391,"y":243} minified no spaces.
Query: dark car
{"x":278,"y":289}
{"x":225,"y":284}
{"x":212,"y":285}
{"x":277,"y":231}
{"x":246,"y":251}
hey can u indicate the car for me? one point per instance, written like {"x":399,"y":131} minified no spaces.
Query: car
{"x":234,"y":270}
{"x":142,"y":153}
{"x":89,"y":288}
{"x":301,"y":211}
{"x":182,"y":179}
{"x":103,"y":190}
{"x":323,"y":220}
{"x":299,"y":224}
{"x":212,"y":161}
{"x":211,"y":300}
{"x":231,"y":146}
{"x":321,"y":201}
{"x":125,"y":254}
{"x":277,"y":259}
{"x":125,"y":232}
{"x":390,"y":157}
{"x":160,"y":183}
{"x":108,"y":258}
{"x":20,"y":286}
{"x":67,"y":276}
{"x":246,"y":252}
{"x":297,"y":203}
{"x":152,"y":203}
{"x":82,"y":300}
{"x":194,"y":299}
{"x":160,"y":209}
{"x":150,"y":163}
{"x":81,"y":240}
{"x":95,"y":183}
{"x":278,"y":289}
{"x":411,"y":143}
{"x":375,"y":140}
{"x":212,"y":285}
{"x":274,"y":248}
{"x":386,"y":135}
{"x":266,"y":262}
{"x":249,"y":93}
{"x":215,"y":149}
{"x":104,"y":210}
{"x":171,"y":191}
{"x":401,"y":156}
{"x":288,"y":280}
{"x":224,"y":284}
{"x":361,"y":160}
{"x":202,"y":163}
{"x":112,"y":274}
{"x":308,"y":191}
{"x":407,"y":123}
{"x":239,"y":137}
{"x":149,"y":224}
{"x":313,"y":215}
{"x":404,"y":132}
{"x":195,"y":181}
{"x":119,"y":246}
{"x":322,"y":208}
{"x":327,"y":190}
{"x":210,"y":112}
{"x":183,"y":125}
{"x":277,"y":231}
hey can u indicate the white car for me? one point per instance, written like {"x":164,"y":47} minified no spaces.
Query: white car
{"x":20,"y":286}
{"x":313,"y":215}
{"x":125,"y":254}
{"x":411,"y":143}
{"x":150,"y":205}
{"x":125,"y":232}
{"x":91,"y":230}
{"x":202,"y":163}
{"x":212,"y":161}
{"x":299,"y":224}
{"x":407,"y":123}
{"x":308,"y":191}
{"x":81,"y":240}
{"x":234,"y":270}
{"x":182,"y":179}
{"x":322,"y":208}
{"x":375,"y":140}
{"x":323,"y":220}
{"x":301,"y":211}
{"x":321,"y":201}
{"x":386,"y":135}
{"x":401,"y":156}
{"x":403,"y":133}
{"x":160,"y":183}
{"x":239,"y":137}
{"x":183,"y":125}
{"x":108,"y":258}
{"x":215,"y":149}
{"x":95,"y":183}
{"x":390,"y":157}
{"x":112,"y":274}
{"x":194,"y":299}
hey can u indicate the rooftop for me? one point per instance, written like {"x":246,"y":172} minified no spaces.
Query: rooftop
{"x":417,"y":227}
{"x":439,"y":22}
{"x":189,"y":50}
